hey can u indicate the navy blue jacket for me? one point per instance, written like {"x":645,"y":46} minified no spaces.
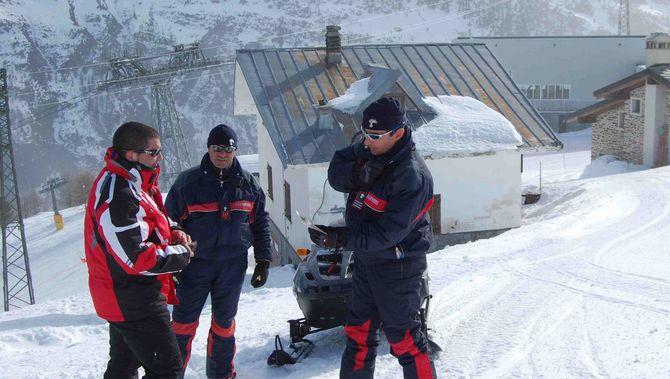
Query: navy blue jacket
{"x":224,"y":214}
{"x":392,"y":220}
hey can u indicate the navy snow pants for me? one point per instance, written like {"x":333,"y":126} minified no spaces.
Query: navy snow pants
{"x":223,"y":280}
{"x":149,"y":343}
{"x":386,"y":293}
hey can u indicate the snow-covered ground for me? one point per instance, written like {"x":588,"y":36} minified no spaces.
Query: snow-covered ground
{"x":581,"y":289}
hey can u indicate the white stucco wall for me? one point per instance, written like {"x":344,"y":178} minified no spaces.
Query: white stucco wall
{"x":297,"y":177}
{"x":243,"y":102}
{"x":478,"y":193}
{"x":268,"y":155}
{"x":322,"y":204}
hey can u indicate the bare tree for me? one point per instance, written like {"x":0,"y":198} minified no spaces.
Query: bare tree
{"x":32,"y":203}
{"x":76,"y":189}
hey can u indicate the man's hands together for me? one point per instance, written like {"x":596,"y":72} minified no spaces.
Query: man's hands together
{"x":179,"y":237}
{"x":368,"y":173}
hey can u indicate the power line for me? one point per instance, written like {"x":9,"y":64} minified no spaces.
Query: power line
{"x":95,"y":85}
{"x":228,"y":63}
{"x":77,"y":99}
{"x":350,"y":22}
{"x":82,"y":97}
{"x":45,"y":113}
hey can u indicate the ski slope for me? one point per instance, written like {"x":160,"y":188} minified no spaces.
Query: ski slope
{"x":581,"y":289}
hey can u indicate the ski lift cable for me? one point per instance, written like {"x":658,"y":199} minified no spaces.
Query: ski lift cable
{"x":416,"y":25}
{"x":350,"y":22}
{"x":142,"y":78}
{"x":77,"y":99}
{"x":48,"y":112}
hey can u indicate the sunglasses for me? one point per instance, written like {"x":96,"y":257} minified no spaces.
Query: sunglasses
{"x":152,"y":152}
{"x":219,"y":148}
{"x":376,"y":137}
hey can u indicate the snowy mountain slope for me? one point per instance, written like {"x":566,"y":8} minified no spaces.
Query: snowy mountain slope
{"x":55,"y":52}
{"x":581,"y":289}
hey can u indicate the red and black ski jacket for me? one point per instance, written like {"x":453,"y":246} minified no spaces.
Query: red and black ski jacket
{"x":127,"y":243}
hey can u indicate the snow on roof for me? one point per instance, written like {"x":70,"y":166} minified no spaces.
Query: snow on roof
{"x":464,"y":125}
{"x":353,"y":97}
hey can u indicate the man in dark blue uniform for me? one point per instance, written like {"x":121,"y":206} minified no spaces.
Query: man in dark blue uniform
{"x":222,"y":208}
{"x":390,"y":191}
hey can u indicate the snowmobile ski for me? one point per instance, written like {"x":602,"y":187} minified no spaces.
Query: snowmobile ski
{"x":280,"y":357}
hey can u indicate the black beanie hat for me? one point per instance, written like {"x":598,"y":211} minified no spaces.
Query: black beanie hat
{"x":223,"y":135}
{"x":384,"y":114}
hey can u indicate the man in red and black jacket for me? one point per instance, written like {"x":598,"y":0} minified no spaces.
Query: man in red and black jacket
{"x":390,"y":191}
{"x":131,"y":247}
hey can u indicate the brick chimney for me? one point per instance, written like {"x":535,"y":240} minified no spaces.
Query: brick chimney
{"x":658,"y":49}
{"x":333,"y":45}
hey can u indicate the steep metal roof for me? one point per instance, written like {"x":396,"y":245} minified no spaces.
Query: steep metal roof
{"x":287,"y":83}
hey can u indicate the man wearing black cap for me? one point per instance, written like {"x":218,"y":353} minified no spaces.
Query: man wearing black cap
{"x":390,"y":191}
{"x":222,"y":208}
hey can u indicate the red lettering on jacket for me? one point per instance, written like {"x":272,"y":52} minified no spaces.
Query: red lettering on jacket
{"x":375,"y":203}
{"x":242,"y":205}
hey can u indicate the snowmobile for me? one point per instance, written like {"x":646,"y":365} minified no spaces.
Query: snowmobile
{"x":322,"y":286}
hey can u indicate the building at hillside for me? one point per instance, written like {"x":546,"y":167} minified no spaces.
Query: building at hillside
{"x":559,"y":74}
{"x":631,"y":121}
{"x":289,"y":90}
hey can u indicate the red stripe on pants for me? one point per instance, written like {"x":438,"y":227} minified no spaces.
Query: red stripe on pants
{"x":221,"y":332}
{"x":186,"y":330}
{"x":421,"y":360}
{"x":360,"y":335}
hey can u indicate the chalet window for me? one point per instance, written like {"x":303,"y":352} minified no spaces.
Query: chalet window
{"x":651,"y":45}
{"x":662,"y":45}
{"x":566,"y":91}
{"x":270,"y":188}
{"x":529,"y":92}
{"x":546,"y":91}
{"x":287,"y":201}
{"x":636,"y":106}
{"x":620,"y":123}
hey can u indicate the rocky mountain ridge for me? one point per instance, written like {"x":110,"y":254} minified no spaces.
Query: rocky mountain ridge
{"x":57,"y":51}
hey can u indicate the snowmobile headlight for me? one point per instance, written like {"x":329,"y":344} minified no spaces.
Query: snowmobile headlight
{"x":302,"y":252}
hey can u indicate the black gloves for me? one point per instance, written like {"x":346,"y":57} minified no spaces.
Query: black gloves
{"x":261,"y":273}
{"x":368,"y":173}
{"x":334,"y":237}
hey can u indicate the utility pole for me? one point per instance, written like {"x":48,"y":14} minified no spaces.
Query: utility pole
{"x":16,"y":280}
{"x":128,"y":71}
{"x":624,"y":17}
{"x":50,"y":186}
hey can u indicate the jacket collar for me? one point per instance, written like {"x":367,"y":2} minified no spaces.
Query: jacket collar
{"x":132,"y":171}
{"x":401,"y":149}
{"x":209,"y":169}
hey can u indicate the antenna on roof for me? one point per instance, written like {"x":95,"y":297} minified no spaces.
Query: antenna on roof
{"x":624,"y":17}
